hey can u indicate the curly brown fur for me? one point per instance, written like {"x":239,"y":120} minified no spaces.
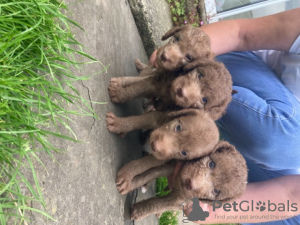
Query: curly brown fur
{"x":186,"y":137}
{"x":223,"y":181}
{"x":184,"y":134}
{"x":208,"y":87}
{"x":221,"y":175}
{"x":187,"y":46}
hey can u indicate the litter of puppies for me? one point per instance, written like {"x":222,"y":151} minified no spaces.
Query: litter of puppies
{"x":190,"y":90}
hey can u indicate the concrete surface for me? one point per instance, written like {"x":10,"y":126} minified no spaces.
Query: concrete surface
{"x":153,"y":19}
{"x":79,"y":189}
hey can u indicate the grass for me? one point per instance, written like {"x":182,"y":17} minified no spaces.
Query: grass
{"x":37,"y":52}
{"x":167,"y":218}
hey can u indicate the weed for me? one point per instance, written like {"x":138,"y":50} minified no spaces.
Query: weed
{"x":184,"y":12}
{"x":167,"y":218}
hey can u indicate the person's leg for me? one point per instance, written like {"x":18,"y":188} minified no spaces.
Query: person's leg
{"x":263,"y":119}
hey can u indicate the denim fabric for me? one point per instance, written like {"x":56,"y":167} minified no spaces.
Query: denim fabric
{"x":263,"y":118}
{"x":262,"y":121}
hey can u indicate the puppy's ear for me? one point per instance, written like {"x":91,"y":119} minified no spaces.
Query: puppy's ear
{"x":207,"y":56}
{"x":223,"y":146}
{"x":191,"y":65}
{"x":217,"y":111}
{"x":171,"y":32}
{"x":183,"y":112}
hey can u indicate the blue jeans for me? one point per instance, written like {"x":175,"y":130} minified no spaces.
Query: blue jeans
{"x":262,"y":121}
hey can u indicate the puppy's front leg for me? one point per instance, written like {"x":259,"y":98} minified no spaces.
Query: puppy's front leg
{"x":126,"y":81}
{"x":123,"y":125}
{"x":126,"y":174}
{"x":149,"y":175}
{"x":154,"y":205}
{"x":123,"y":89}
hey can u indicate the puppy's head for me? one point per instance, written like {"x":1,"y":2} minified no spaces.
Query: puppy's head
{"x":207,"y":87}
{"x":221,"y":175}
{"x":188,"y":44}
{"x":191,"y":134}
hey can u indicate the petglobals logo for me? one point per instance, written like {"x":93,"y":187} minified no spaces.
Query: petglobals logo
{"x":247,"y":206}
{"x":196,"y":213}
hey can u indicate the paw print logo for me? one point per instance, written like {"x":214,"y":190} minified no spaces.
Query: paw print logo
{"x":261,"y":206}
{"x":196,"y":212}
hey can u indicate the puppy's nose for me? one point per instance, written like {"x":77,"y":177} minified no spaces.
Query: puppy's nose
{"x":189,"y":184}
{"x":180,"y":92}
{"x":154,"y":146}
{"x":164,"y":57}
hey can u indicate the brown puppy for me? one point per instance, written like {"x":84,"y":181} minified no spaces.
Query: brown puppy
{"x":188,"y":45}
{"x":184,"y":134}
{"x":208,"y":87}
{"x":221,"y":175}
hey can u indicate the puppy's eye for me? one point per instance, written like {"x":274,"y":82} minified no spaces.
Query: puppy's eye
{"x":183,"y":153}
{"x":189,"y":58}
{"x":204,"y":100}
{"x":200,"y":75}
{"x":176,"y":39}
{"x":178,"y":128}
{"x":216,"y":191}
{"x":211,"y":165}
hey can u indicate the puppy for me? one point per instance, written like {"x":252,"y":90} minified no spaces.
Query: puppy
{"x":183,"y":135}
{"x":187,"y":45}
{"x":220,"y":175}
{"x":208,"y":87}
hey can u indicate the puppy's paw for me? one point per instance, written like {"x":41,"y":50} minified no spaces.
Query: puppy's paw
{"x":123,"y":181}
{"x":137,"y":212}
{"x":114,"y":124}
{"x":115,"y":90}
